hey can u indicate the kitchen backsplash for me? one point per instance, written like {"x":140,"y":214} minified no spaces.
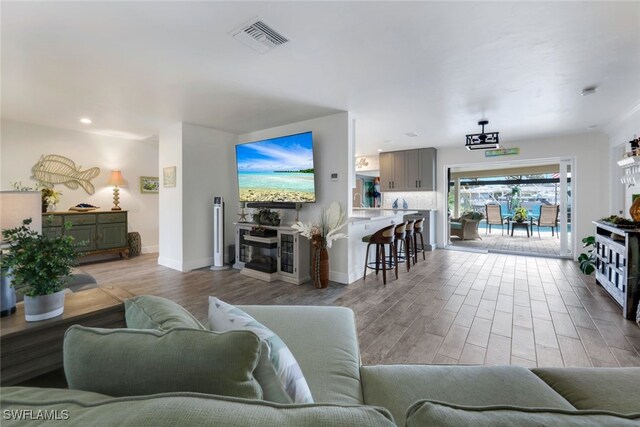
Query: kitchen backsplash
{"x":413,"y":199}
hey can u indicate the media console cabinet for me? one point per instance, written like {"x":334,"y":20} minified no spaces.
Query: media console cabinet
{"x":94,"y":231}
{"x":280,"y":254}
{"x":618,"y":265}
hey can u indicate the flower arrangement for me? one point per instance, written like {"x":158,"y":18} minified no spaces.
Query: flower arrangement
{"x":520,"y":214}
{"x":326,"y":231}
{"x":50,"y":196}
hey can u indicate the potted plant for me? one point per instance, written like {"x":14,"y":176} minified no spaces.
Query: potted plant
{"x":587,"y":259}
{"x":266,"y":217}
{"x":520,"y":214}
{"x":39,"y":267}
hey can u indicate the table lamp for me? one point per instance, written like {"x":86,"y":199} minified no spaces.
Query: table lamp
{"x":16,"y":206}
{"x":116,"y":179}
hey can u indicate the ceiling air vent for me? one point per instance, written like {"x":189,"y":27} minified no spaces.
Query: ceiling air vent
{"x":259,"y":36}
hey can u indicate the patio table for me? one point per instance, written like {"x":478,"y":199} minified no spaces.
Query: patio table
{"x":527,"y":225}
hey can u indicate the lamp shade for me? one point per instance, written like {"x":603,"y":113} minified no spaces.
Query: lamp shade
{"x":116,"y":178}
{"x":16,"y":206}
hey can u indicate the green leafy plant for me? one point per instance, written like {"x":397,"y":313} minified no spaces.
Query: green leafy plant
{"x":40,"y":264}
{"x":520,"y":214}
{"x":619,"y":221}
{"x":587,"y":259}
{"x":266,"y":217}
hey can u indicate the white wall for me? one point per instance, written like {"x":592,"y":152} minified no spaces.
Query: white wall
{"x":620,"y":134}
{"x":170,"y":206}
{"x":333,"y":153}
{"x":24,"y":143}
{"x":591,"y":177}
{"x":209,"y":169}
{"x":205,"y":166}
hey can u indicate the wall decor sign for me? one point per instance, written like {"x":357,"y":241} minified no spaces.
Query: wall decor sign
{"x":502,"y":152}
{"x":53,"y":169}
{"x":169,"y":177}
{"x":367,"y":163}
{"x":149,"y":184}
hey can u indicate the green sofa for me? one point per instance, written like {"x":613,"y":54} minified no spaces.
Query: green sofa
{"x":324,"y":342}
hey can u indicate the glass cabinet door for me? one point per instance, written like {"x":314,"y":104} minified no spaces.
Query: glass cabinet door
{"x":287,"y":253}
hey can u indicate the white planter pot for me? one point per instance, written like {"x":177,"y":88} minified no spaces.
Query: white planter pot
{"x":43,"y":307}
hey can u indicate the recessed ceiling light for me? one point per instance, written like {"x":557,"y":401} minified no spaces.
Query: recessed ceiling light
{"x":589,"y":90}
{"x":411,"y":134}
{"x":380,"y":149}
{"x":86,"y":120}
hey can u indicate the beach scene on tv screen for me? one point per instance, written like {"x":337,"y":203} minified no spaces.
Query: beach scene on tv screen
{"x":277,"y":170}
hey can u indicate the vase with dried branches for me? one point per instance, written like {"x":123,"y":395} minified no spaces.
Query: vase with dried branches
{"x":322,"y":235}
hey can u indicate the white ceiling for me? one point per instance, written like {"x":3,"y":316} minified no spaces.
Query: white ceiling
{"x":435,"y":68}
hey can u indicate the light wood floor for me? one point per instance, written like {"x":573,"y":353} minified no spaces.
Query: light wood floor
{"x":454,"y":308}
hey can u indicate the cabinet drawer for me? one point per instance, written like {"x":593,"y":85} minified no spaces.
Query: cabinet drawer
{"x":81,"y":219}
{"x":109,"y":218}
{"x":56,"y":220}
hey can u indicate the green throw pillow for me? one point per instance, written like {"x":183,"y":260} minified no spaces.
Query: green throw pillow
{"x":151,"y":312}
{"x":132,"y":362}
{"x":181,"y":409}
{"x":278,"y":371}
{"x":431,"y":413}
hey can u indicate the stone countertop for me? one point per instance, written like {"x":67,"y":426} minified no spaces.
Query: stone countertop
{"x":377,"y":214}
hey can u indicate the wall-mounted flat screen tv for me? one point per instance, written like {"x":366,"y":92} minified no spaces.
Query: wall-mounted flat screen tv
{"x":277,"y":170}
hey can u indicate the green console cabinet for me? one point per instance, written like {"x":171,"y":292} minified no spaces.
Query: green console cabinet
{"x":94,"y":232}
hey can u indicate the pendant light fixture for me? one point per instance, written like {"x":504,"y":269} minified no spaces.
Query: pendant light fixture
{"x":482,"y":141}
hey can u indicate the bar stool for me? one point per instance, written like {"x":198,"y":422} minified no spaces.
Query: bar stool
{"x":401,"y":234}
{"x":408,"y":244}
{"x":380,"y":238}
{"x":417,"y":230}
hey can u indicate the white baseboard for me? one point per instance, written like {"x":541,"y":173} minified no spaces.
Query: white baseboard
{"x":150,"y":249}
{"x":339,"y":277}
{"x":197,"y":263}
{"x":170,"y":263}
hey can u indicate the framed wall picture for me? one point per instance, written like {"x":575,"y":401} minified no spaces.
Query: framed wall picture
{"x":169,"y":177}
{"x":149,"y":184}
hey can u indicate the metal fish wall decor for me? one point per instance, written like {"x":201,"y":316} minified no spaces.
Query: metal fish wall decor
{"x":53,"y":169}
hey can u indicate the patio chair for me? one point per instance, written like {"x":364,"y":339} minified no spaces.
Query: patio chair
{"x":466,"y":227}
{"x":548,"y":218}
{"x":494,"y":217}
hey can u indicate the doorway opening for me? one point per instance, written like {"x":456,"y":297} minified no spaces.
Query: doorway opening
{"x":523,"y":209}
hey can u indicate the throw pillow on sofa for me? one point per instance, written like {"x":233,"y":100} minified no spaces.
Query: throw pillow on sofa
{"x":278,"y":371}
{"x":132,"y":362}
{"x":183,"y":409}
{"x":431,"y":413}
{"x":151,"y":312}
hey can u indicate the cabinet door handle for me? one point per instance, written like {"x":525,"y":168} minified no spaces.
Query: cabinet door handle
{"x":420,"y":183}
{"x":416,"y":183}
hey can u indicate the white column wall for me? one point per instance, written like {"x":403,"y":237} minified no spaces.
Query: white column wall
{"x":170,"y":206}
{"x":208,"y":169}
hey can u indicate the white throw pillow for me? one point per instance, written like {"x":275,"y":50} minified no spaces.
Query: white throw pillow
{"x":278,"y":372}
